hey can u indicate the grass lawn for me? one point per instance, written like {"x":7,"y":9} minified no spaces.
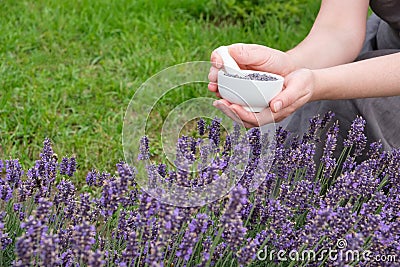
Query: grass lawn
{"x":68,"y":69}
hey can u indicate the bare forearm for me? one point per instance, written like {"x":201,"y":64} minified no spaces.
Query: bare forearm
{"x":336,"y":36}
{"x":375,"y":77}
{"x":324,"y":50}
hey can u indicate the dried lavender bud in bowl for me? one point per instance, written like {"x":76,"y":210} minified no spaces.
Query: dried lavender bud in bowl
{"x":254,"y":76}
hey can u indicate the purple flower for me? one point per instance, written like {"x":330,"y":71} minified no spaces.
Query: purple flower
{"x":48,"y":249}
{"x":234,"y":231}
{"x":43,"y":211}
{"x":214,"y":131}
{"x":350,"y":186}
{"x":162,"y":170}
{"x":144,"y":149}
{"x":5,"y":240}
{"x":83,"y":239}
{"x":311,"y":134}
{"x":96,"y":259}
{"x":356,"y":137}
{"x":6,"y":191}
{"x":27,"y":245}
{"x":330,"y":144}
{"x":109,"y":199}
{"x":91,"y":177}
{"x":248,"y":252}
{"x":66,"y":197}
{"x":14,"y":173}
{"x":127,"y":175}
{"x":131,"y":249}
{"x":196,"y":228}
{"x":201,"y":126}
{"x":68,"y":166}
{"x":84,"y":210}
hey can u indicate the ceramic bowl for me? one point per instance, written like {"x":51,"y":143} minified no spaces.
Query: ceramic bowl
{"x":253,"y":95}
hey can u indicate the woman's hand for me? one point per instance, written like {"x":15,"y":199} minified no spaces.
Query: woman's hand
{"x":298,"y":89}
{"x":251,"y":57}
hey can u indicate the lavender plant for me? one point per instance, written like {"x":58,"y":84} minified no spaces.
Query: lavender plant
{"x":298,"y":206}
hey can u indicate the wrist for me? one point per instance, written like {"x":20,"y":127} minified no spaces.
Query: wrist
{"x":295,"y":61}
{"x":323,"y":85}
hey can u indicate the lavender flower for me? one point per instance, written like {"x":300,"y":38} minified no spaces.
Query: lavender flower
{"x":327,"y":158}
{"x":27,"y":245}
{"x":131,"y":249}
{"x":5,"y":240}
{"x":248,"y":252}
{"x":109,"y":199}
{"x":84,"y":210}
{"x":49,"y":250}
{"x":18,"y":208}
{"x":287,"y":211}
{"x":196,"y":228}
{"x":127,"y":175}
{"x":96,"y":259}
{"x":67,"y":258}
{"x":356,"y":136}
{"x":68,"y":166}
{"x":201,"y":126}
{"x":214,"y":131}
{"x":83,"y":238}
{"x":6,"y":191}
{"x":315,"y":125}
{"x":234,"y":231}
{"x":162,"y":170}
{"x":144,"y":149}
{"x":91,"y":177}
{"x":14,"y":173}
{"x":66,"y":198}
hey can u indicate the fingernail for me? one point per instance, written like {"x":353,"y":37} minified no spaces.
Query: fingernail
{"x":278,"y":106}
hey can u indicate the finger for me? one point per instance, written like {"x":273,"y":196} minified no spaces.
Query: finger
{"x":216,"y":60}
{"x":213,"y":74}
{"x":213,"y":87}
{"x":244,"y":114}
{"x":255,"y":119}
{"x":224,"y":106}
{"x":289,"y":95}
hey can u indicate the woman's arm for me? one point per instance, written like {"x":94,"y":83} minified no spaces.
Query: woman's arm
{"x":336,"y":37}
{"x":376,"y":77}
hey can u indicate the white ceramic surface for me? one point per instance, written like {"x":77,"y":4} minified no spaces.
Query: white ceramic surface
{"x":230,"y":65}
{"x":253,"y":95}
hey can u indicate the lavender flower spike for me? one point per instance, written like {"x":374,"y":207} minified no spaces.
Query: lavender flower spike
{"x":356,"y":136}
{"x":201,"y":126}
{"x":144,"y":149}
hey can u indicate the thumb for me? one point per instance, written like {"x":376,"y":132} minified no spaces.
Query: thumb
{"x":286,"y":98}
{"x":297,"y":90}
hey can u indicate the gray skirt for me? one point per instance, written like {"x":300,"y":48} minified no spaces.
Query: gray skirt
{"x":381,"y":114}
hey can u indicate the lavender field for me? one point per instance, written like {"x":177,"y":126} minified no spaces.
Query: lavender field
{"x":298,"y":214}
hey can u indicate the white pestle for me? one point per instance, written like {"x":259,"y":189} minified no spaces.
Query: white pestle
{"x":230,"y":65}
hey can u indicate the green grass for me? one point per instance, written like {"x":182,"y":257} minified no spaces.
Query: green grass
{"x":68,"y":69}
